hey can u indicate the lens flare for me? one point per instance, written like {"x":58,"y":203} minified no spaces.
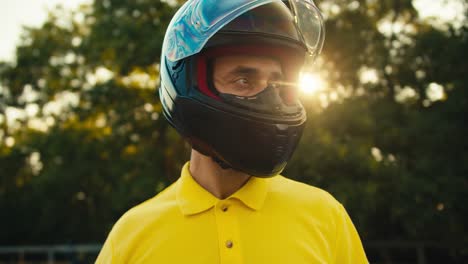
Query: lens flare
{"x":311,"y":83}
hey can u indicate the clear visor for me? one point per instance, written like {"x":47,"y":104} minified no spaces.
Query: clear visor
{"x":197,"y":21}
{"x":310,"y":24}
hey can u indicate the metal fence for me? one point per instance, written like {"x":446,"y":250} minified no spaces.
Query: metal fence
{"x":58,"y":254}
{"x":379,"y":252}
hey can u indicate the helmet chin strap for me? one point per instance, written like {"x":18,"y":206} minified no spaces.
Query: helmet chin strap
{"x":221,"y":163}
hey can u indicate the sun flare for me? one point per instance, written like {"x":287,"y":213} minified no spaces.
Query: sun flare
{"x":311,"y":83}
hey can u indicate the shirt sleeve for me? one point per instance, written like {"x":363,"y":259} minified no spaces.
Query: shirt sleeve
{"x":348,"y":248}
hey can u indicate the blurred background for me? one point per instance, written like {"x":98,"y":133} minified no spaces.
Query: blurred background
{"x":82,"y":138}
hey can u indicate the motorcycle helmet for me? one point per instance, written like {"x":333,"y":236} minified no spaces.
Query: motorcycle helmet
{"x":253,"y":134}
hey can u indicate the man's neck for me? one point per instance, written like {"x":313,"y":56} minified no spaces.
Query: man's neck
{"x":216,"y":180}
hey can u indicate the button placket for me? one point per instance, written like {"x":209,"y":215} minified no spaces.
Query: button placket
{"x":228,"y":233}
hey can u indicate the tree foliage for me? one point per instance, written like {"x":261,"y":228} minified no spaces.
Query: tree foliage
{"x":386,"y":137}
{"x":393,"y":152}
{"x":93,"y":142}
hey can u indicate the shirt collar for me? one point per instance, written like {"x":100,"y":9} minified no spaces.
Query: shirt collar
{"x":193,"y":198}
{"x":253,"y":193}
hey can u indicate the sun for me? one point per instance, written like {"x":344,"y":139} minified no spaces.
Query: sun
{"x":311,"y":83}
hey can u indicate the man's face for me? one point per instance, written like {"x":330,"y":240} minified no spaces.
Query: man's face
{"x":245,"y":75}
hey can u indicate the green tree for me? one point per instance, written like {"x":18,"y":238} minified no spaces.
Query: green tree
{"x":391,"y":144}
{"x":93,"y":142}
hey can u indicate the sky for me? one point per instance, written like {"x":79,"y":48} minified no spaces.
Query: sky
{"x":15,"y":13}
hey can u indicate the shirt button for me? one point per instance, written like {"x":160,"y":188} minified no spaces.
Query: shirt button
{"x":229,"y":244}
{"x":224,"y":208}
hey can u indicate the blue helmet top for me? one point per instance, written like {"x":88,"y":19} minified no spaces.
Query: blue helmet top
{"x":198,"y":20}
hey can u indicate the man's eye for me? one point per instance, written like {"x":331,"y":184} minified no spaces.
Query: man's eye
{"x":242,"y":81}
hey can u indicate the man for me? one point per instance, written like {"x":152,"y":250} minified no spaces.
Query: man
{"x":228,"y":75}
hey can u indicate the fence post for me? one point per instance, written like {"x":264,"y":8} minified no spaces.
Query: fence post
{"x":421,"y":255}
{"x":21,"y":257}
{"x":50,"y":256}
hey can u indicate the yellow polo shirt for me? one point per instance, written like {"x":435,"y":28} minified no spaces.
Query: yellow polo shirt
{"x":272,"y":220}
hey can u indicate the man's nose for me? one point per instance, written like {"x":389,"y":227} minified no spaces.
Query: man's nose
{"x":264,"y":83}
{"x":261,"y":85}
